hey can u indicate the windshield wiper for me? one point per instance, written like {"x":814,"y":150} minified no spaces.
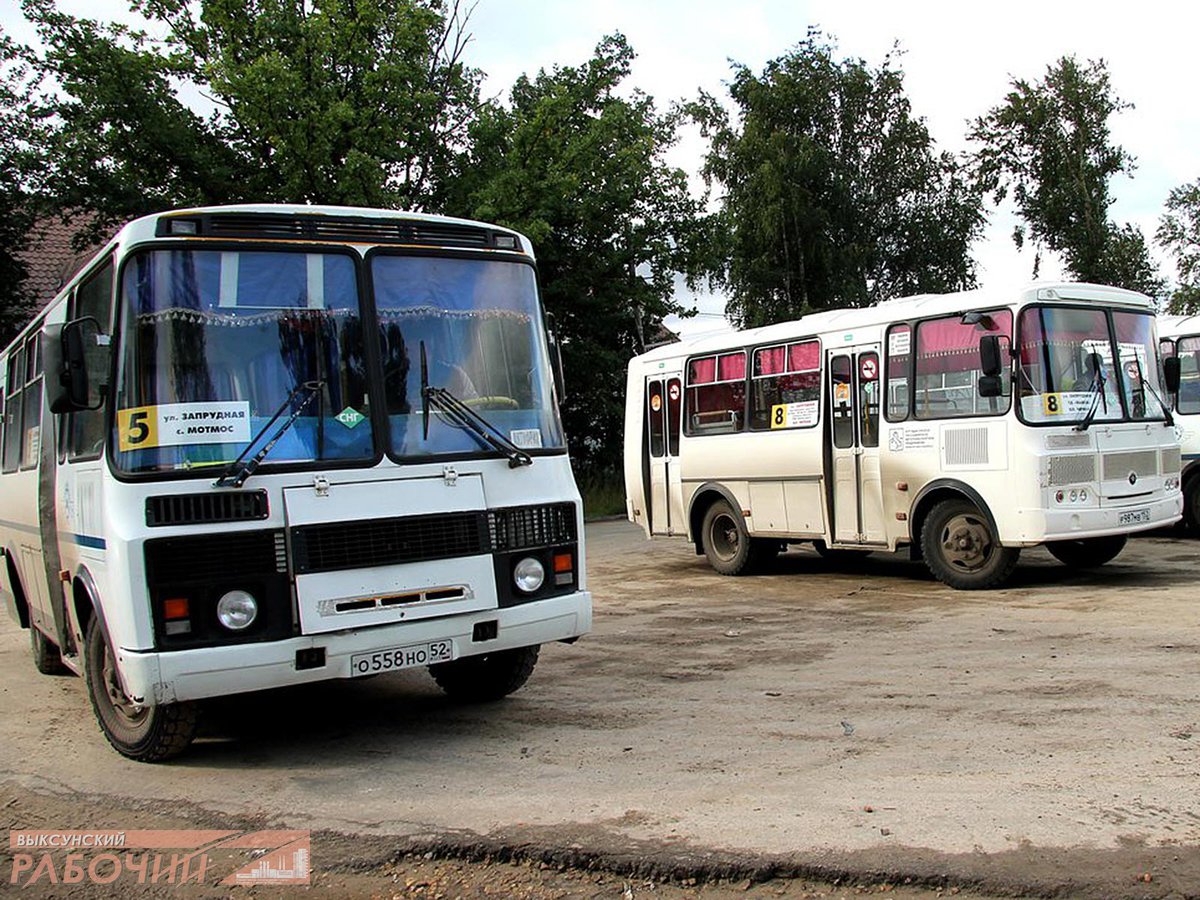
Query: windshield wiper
{"x":1168,"y":419}
{"x":1098,"y":395}
{"x":464,"y":417}
{"x":238,"y":471}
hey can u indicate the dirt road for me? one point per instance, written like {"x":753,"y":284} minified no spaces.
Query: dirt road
{"x":851,"y":719}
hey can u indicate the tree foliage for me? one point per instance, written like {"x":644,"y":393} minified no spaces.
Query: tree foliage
{"x":18,"y":156}
{"x":1179,"y":232}
{"x":834,"y":194}
{"x":577,"y":164}
{"x":326,"y":101}
{"x":1048,"y":144}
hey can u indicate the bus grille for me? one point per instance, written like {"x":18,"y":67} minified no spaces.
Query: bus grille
{"x":1119,"y":465}
{"x":199,"y":509}
{"x":214,"y":557}
{"x":335,"y":546}
{"x":1072,"y":469}
{"x":355,"y":229}
{"x":1172,"y":460}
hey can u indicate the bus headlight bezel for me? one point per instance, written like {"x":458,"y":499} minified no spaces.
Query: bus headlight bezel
{"x":529,"y":575}
{"x":237,"y":610}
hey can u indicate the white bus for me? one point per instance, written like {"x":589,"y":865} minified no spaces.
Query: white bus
{"x":1180,"y":339}
{"x":914,"y":422}
{"x":258,"y":446}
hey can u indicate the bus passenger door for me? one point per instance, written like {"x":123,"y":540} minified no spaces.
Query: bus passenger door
{"x":663,"y":402}
{"x":855,"y":391}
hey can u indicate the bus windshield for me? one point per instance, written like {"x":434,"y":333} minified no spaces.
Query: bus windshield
{"x":481,"y":329}
{"x":213,"y":344}
{"x":1057,"y":379}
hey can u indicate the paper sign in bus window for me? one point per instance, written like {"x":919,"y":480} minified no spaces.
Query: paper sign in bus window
{"x":794,"y":415}
{"x":183,"y":424}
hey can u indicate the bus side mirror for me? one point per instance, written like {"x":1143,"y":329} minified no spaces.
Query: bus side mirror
{"x":1171,"y":374}
{"x":64,"y":359}
{"x":989,"y":357}
{"x":991,"y":386}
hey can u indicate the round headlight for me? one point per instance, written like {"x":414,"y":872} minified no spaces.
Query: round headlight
{"x":528,"y":575}
{"x":237,"y":610}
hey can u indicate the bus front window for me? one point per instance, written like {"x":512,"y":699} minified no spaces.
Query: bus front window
{"x":480,"y":324}
{"x":1055,"y":377}
{"x":213,"y":342}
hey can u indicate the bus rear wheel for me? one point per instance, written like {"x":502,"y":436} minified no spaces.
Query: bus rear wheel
{"x":1087,"y":553}
{"x":961,"y":550}
{"x":46,"y":657}
{"x":142,"y":733}
{"x":487,"y":677}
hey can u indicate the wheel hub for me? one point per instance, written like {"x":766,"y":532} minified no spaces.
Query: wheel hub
{"x":966,"y":543}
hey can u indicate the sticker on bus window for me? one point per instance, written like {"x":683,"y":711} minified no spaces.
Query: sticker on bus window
{"x":794,"y":415}
{"x":526,"y":438}
{"x":656,"y":402}
{"x":1072,"y":404}
{"x":183,"y":424}
{"x":899,"y":342}
{"x":869,"y":369}
{"x":841,"y":393}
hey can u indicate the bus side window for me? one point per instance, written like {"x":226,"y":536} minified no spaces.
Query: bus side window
{"x":716,"y":393}
{"x":31,"y":401}
{"x":899,"y":356}
{"x":12,"y":411}
{"x":93,"y":298}
{"x":843,"y":411}
{"x":1189,"y":371}
{"x":948,"y":366}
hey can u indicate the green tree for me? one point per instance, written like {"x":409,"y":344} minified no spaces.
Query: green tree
{"x":1179,"y":233}
{"x":18,"y":143}
{"x":834,"y":194}
{"x":1049,"y":145}
{"x":577,"y":164}
{"x":325,"y":101}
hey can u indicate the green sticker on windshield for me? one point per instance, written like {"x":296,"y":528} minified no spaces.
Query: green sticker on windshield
{"x":349,"y":417}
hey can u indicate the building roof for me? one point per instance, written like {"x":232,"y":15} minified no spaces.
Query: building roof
{"x":51,"y":260}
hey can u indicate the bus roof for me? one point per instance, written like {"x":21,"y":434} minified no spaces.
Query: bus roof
{"x":1174,"y":326}
{"x":901,"y":309}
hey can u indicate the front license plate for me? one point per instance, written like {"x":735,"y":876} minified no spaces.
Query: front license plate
{"x":1133,"y":517}
{"x":401,"y":658}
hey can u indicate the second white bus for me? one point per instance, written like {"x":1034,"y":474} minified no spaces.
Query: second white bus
{"x":965,"y":426}
{"x":1180,"y":339}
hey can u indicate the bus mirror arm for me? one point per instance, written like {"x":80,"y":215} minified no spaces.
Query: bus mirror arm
{"x":556,"y":366}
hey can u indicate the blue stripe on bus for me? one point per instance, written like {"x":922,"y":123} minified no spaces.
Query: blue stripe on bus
{"x":86,"y":540}
{"x":83,"y":540}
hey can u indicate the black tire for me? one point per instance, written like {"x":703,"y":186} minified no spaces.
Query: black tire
{"x":836,"y":553}
{"x":961,"y":550}
{"x":727,"y":544}
{"x":1191,"y":503}
{"x":488,"y":677}
{"x":148,"y":734}
{"x":46,"y":656}
{"x":1087,"y":553}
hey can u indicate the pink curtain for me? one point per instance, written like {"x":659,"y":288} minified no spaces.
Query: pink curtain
{"x":804,"y":357}
{"x":703,"y":371}
{"x":769,"y":361}
{"x":731,"y":366}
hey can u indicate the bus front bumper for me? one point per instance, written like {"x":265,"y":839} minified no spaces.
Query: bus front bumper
{"x":1040,"y":525}
{"x":156,"y":678}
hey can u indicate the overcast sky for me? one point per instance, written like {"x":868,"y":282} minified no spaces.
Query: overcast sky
{"x":958,"y":59}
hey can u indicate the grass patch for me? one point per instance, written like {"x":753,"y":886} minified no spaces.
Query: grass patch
{"x":603,"y":495}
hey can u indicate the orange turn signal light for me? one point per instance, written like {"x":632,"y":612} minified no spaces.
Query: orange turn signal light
{"x":563,"y":562}
{"x":175,"y":608}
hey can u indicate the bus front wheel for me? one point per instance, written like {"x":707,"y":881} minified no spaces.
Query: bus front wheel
{"x":487,"y":677}
{"x":1191,"y":503}
{"x":961,"y":550}
{"x":727,"y":544}
{"x":142,"y":733}
{"x":1087,"y":553}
